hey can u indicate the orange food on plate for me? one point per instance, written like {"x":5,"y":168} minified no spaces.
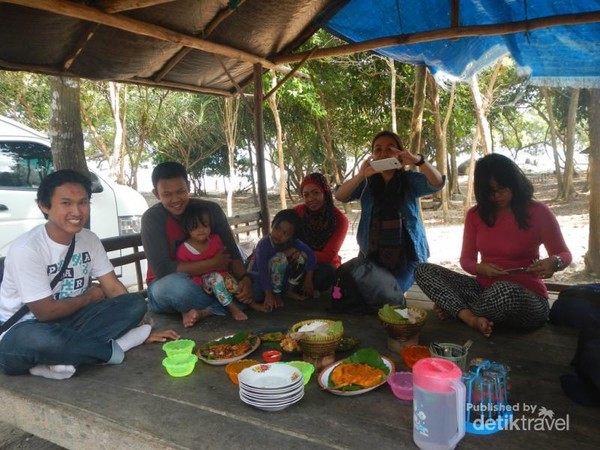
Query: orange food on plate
{"x":412,"y":353}
{"x":358,"y":374}
{"x":289,"y":345}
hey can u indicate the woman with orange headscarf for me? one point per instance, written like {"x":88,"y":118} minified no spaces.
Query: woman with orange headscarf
{"x":324,"y":227}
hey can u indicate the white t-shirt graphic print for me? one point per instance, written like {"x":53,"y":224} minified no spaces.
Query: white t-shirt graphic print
{"x":34,"y":259}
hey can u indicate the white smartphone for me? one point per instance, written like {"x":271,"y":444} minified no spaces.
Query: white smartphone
{"x":379,"y":165}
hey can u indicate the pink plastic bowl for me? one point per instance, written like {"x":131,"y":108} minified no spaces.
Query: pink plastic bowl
{"x":401,"y":384}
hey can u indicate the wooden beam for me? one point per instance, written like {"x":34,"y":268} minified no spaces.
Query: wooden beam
{"x":172,"y":63}
{"x":222,"y":15}
{"x":48,"y":70}
{"x":447,"y":33}
{"x":80,"y":45}
{"x":83,"y":12}
{"x":290,"y":74}
{"x":238,"y":88}
{"x":178,"y":86}
{"x":114,"y":6}
{"x":455,"y":13}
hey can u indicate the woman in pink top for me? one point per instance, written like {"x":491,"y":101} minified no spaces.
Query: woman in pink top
{"x":501,"y":242}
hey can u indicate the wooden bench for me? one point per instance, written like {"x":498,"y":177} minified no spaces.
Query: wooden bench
{"x":246,"y":225}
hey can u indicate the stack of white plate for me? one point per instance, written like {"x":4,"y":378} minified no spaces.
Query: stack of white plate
{"x":271,"y":387}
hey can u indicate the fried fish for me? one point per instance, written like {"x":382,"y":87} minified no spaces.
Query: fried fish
{"x":362,"y":375}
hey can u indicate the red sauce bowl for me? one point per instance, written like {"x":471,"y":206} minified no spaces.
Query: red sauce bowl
{"x":271,"y":356}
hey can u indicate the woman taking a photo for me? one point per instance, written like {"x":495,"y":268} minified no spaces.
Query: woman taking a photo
{"x":325,"y":228}
{"x":390,"y":231}
{"x":501,"y":240}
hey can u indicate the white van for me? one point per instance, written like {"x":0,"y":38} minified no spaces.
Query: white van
{"x":25,"y":158}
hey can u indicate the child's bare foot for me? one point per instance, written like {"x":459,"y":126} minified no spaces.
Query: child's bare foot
{"x":236,"y":313}
{"x":484,"y":326}
{"x":278,"y":301}
{"x":257,"y":306}
{"x":191,"y":317}
{"x":437,"y":309}
{"x":478,"y":323}
{"x":294,"y":296}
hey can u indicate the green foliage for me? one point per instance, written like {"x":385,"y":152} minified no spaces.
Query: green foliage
{"x":336,"y":329}
{"x":25,"y":97}
{"x":368,"y":356}
{"x":391,"y":314}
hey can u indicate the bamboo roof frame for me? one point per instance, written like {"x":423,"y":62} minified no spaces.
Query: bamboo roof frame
{"x":107,"y":17}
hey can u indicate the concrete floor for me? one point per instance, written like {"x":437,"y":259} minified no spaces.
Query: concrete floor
{"x":137,"y":405}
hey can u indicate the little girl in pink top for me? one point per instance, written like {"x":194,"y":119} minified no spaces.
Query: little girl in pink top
{"x":201,"y":245}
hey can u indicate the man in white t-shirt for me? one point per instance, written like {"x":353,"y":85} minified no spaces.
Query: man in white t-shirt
{"x":76,"y":322}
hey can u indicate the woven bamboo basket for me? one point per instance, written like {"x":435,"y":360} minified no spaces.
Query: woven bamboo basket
{"x":403,"y":330}
{"x":317,"y":346}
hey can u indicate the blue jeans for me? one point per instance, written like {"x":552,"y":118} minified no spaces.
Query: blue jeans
{"x":84,"y":337}
{"x":177,"y":293}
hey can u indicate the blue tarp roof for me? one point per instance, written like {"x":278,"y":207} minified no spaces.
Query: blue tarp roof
{"x":554,"y":56}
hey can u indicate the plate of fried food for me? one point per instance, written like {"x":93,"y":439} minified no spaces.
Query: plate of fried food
{"x":228,"y":349}
{"x":279,"y":339}
{"x":362,"y":372}
{"x":275,"y":334}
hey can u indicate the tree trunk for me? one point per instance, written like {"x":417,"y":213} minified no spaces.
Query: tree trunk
{"x":592,"y":257}
{"x":416,"y":125}
{"x":65,"y":125}
{"x":392,"y":66}
{"x":324,"y":132}
{"x":252,"y":178}
{"x":553,"y":139}
{"x":569,"y":188}
{"x":274,"y":108}
{"x":483,"y":125}
{"x":468,"y":201}
{"x":440,"y":142}
{"x":230,"y":114}
{"x":65,"y":131}
{"x":115,"y":160}
{"x":453,"y":185}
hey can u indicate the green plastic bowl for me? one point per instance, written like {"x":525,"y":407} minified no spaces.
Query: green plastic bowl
{"x":178,"y":347}
{"x":180,"y":365}
{"x":306,"y":368}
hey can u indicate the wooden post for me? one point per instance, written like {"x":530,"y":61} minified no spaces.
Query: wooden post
{"x":259,"y":144}
{"x":592,"y":257}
